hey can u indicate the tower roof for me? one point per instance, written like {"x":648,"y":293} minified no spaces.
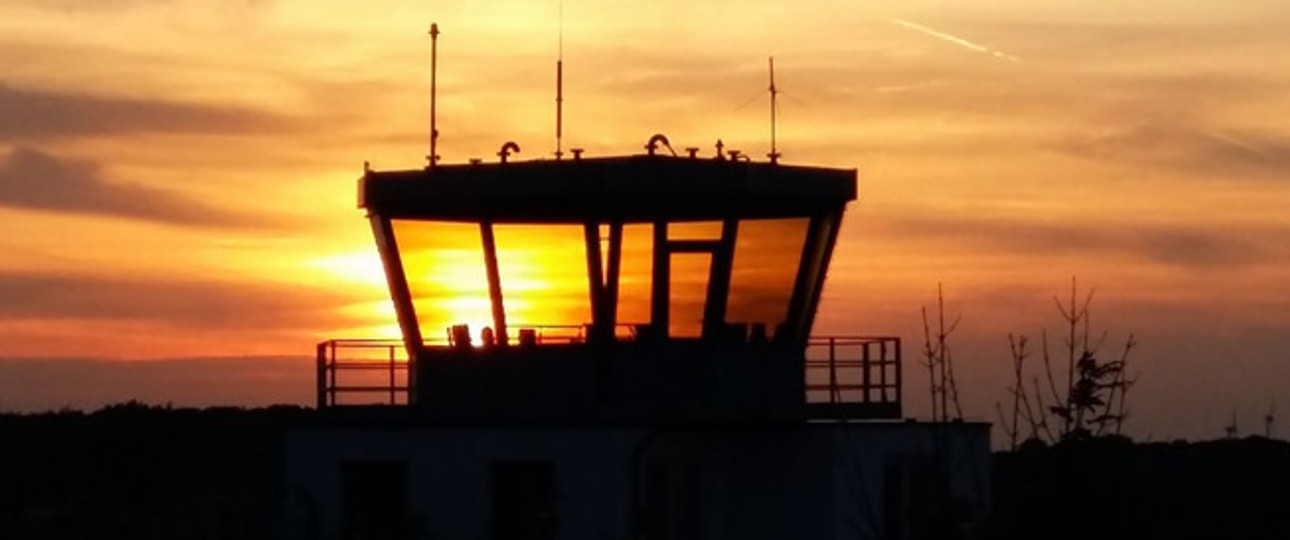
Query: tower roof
{"x":625,"y":189}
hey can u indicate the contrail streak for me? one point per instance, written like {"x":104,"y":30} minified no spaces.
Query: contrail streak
{"x":896,"y":88}
{"x":954,"y":39}
{"x":1235,"y":142}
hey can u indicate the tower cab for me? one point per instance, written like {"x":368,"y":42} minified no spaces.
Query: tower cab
{"x":642,"y":288}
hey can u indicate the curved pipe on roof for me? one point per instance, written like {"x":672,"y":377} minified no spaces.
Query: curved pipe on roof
{"x":507,"y":149}
{"x":658,"y":138}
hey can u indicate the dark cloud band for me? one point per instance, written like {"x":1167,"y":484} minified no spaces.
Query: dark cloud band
{"x":190,"y":304}
{"x":35,"y":115}
{"x":34,"y":180}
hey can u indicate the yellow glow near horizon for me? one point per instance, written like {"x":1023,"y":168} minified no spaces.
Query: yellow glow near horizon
{"x":362,"y":268}
{"x":376,"y":320}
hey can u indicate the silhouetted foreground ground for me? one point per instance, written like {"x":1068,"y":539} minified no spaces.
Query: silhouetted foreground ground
{"x":1111,"y":489}
{"x":130,"y":471}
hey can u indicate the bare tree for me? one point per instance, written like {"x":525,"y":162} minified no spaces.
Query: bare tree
{"x":1093,"y":399}
{"x":1021,"y":408}
{"x":938,"y":358}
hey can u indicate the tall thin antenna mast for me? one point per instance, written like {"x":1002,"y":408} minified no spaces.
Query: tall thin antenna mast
{"x":434,"y":130}
{"x":774,"y":93}
{"x":559,"y":91}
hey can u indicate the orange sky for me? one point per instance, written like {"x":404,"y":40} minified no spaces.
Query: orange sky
{"x":177,"y":177}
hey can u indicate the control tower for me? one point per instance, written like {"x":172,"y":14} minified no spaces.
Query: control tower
{"x":644,"y":289}
{"x":619,"y":347}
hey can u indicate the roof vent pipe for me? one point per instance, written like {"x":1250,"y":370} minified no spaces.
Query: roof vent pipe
{"x":507,"y":149}
{"x":657,"y":139}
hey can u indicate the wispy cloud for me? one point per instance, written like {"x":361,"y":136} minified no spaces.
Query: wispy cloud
{"x":1187,"y":145}
{"x":183,"y":303}
{"x":38,"y":114}
{"x":34,"y":180}
{"x":1193,"y":247}
{"x":115,"y":5}
{"x":954,"y":39}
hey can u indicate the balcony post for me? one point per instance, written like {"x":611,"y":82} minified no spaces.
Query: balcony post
{"x":321,"y":368}
{"x":391,"y":349}
{"x":864,"y":370}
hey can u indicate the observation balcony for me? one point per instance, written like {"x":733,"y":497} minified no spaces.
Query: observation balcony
{"x":846,"y":377}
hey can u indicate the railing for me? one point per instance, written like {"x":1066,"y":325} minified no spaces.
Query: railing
{"x":539,"y":334}
{"x":354,"y":368}
{"x":853,"y":370}
{"x":520,"y":335}
{"x":840,"y":371}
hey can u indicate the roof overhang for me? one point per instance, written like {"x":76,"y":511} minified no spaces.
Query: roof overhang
{"x":622,"y":189}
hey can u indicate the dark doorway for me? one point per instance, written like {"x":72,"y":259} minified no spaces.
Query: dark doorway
{"x":522,"y":507}
{"x":376,"y":500}
{"x":909,"y":498}
{"x":672,"y":500}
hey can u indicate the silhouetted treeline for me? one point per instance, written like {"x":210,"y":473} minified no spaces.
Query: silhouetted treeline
{"x":1110,"y":488}
{"x":133,"y":471}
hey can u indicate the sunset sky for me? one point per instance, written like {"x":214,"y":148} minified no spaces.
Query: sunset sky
{"x":177,"y":177}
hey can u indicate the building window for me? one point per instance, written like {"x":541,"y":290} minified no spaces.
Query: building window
{"x":689,"y":273}
{"x":447,"y":278}
{"x":671,"y":500}
{"x":522,"y":509}
{"x":376,"y":500}
{"x":635,"y":280}
{"x":764,"y":272}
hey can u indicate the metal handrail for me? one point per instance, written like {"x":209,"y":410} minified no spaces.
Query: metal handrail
{"x":550,"y":334}
{"x":838,"y":369}
{"x":331,"y":365}
{"x":856,"y":369}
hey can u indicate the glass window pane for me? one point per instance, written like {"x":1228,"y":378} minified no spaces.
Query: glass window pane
{"x":444,"y":264}
{"x":544,"y":277}
{"x":767,"y":252}
{"x":689,"y":293}
{"x":635,"y":277}
{"x":694,"y":230}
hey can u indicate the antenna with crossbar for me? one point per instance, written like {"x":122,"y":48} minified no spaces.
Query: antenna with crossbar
{"x":434,"y":131}
{"x":774,"y":93}
{"x":559,"y":91}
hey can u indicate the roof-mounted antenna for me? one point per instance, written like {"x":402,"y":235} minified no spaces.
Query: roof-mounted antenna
{"x":559,"y":91}
{"x":774,"y":93}
{"x":433,"y":157}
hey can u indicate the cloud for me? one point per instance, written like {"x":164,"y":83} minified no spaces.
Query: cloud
{"x":1186,"y":146}
{"x":34,"y":180}
{"x":98,"y":6}
{"x":1188,"y":246}
{"x":224,"y":305}
{"x":36,"y":114}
